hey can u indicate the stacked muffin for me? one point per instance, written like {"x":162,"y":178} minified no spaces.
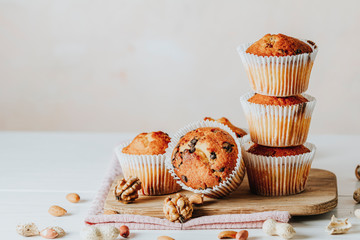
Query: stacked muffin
{"x":277,"y":158}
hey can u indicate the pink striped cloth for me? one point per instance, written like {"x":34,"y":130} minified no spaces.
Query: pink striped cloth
{"x":138,"y":222}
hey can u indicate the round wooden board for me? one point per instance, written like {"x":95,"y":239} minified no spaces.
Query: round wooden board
{"x":320,"y":196}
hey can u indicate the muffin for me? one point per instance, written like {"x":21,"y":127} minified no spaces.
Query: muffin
{"x":144,"y":157}
{"x":278,"y":45}
{"x":278,"y":65}
{"x":153,"y":143}
{"x":205,"y":157}
{"x":274,"y":171}
{"x":277,"y":151}
{"x":238,"y":131}
{"x":278,"y":121}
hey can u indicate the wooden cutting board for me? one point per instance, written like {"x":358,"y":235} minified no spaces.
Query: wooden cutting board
{"x":320,"y":196}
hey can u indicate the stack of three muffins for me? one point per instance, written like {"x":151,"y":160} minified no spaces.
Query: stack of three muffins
{"x":277,"y":158}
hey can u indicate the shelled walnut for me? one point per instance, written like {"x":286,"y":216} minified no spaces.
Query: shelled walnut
{"x":356,"y":195}
{"x":357,"y":172}
{"x":178,"y":208}
{"x":126,"y":190}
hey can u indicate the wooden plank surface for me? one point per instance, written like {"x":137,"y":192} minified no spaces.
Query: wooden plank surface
{"x":320,"y":196}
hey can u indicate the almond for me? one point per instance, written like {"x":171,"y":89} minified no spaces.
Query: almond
{"x":57,"y":211}
{"x":73,"y":197}
{"x":165,"y":238}
{"x":227,"y":234}
{"x":242,"y":235}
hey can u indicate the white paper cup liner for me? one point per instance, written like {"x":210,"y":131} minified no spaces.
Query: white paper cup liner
{"x":278,"y":176}
{"x":278,"y":76}
{"x":278,"y":126}
{"x":150,"y":169}
{"x":228,"y":185}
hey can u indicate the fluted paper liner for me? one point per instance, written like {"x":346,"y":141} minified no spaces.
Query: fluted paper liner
{"x":150,"y":169}
{"x":228,"y":185}
{"x":278,"y":76}
{"x":278,"y":176}
{"x":278,"y":126}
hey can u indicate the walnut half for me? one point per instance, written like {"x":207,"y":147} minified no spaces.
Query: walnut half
{"x":178,"y":209}
{"x":126,"y":190}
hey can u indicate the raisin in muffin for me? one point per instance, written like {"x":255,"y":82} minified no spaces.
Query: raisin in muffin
{"x":278,"y":65}
{"x":274,"y":171}
{"x":148,"y":144}
{"x":238,"y":131}
{"x":145,"y":158}
{"x":278,"y":121}
{"x":278,"y":45}
{"x":205,"y":157}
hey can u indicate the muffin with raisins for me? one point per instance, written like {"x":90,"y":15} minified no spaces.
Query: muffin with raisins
{"x":144,"y":157}
{"x":278,"y":121}
{"x":206,"y":159}
{"x":278,"y":65}
{"x":238,"y":131}
{"x":274,"y":171}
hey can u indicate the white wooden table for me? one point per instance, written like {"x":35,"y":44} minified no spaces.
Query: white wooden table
{"x":37,"y":170}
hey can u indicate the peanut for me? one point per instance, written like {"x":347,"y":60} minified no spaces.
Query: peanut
{"x":242,"y":235}
{"x":124,"y":231}
{"x":60,"y":231}
{"x":57,"y":211}
{"x":49,"y":233}
{"x":73,"y":197}
{"x":227,"y":234}
{"x":27,"y":230}
{"x":284,"y":230}
{"x":165,"y":238}
{"x":357,"y":213}
{"x":197,"y":199}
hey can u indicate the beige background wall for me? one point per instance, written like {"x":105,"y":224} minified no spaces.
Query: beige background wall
{"x":141,"y":65}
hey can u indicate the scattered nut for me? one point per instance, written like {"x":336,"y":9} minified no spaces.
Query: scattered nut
{"x":57,"y":211}
{"x":109,"y":212}
{"x":124,"y":231}
{"x":73,"y":197}
{"x":284,"y":230}
{"x":127,"y":189}
{"x":242,"y":235}
{"x":27,"y":230}
{"x":357,"y":172}
{"x":197,"y":199}
{"x":227,"y":234}
{"x":52,"y":232}
{"x":177,"y":209}
{"x":59,"y":230}
{"x":338,"y":226}
{"x":49,"y":233}
{"x":357,"y":213}
{"x":104,"y":232}
{"x":165,"y":238}
{"x":356,"y":195}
